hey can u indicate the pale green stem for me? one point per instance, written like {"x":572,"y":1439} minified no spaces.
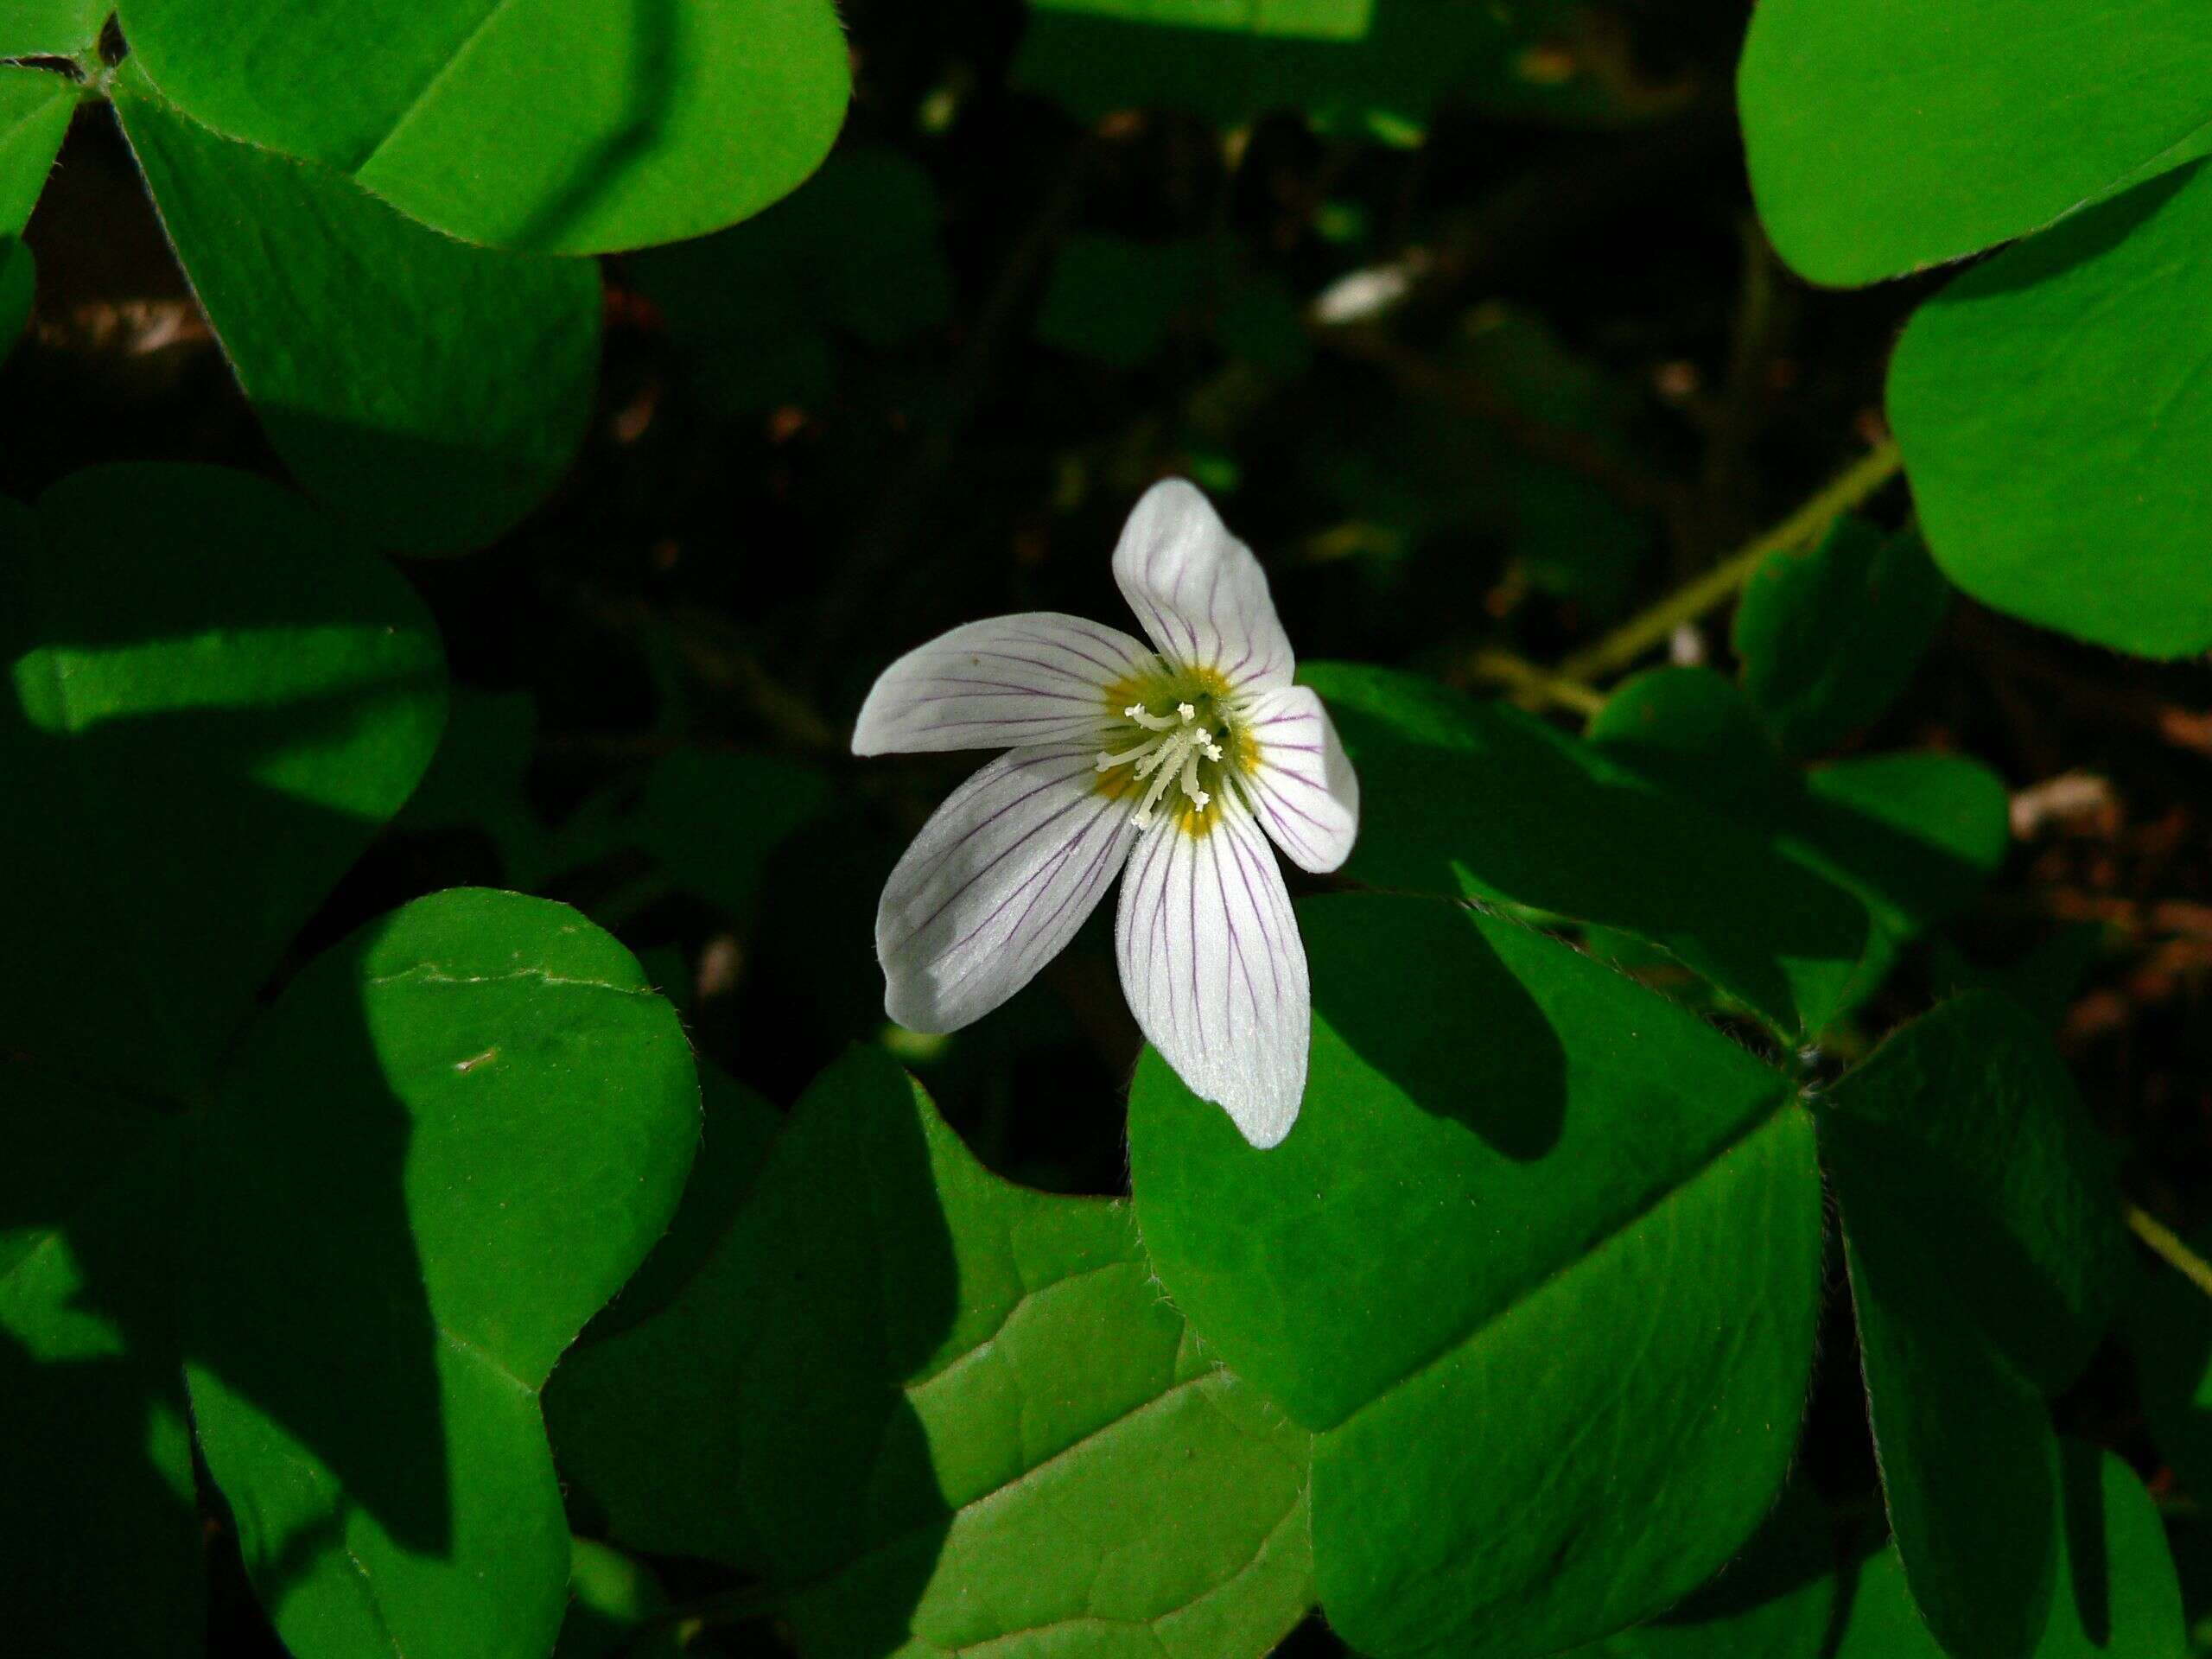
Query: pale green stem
{"x":1621,"y":648}
{"x":1518,"y":674}
{"x":2168,"y":1246}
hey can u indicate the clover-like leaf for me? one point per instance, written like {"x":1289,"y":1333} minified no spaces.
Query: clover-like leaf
{"x":36,"y":105}
{"x":2051,"y":406}
{"x":568,"y":126}
{"x":429,"y":392}
{"x":943,"y":1411}
{"x":217,"y":698}
{"x":1830,"y":634}
{"x":454,"y":1137}
{"x":1888,"y":135}
{"x":1530,"y":1216}
{"x":2115,"y":1595}
{"x":1982,"y":1233}
{"x":1676,"y":824}
{"x":1911,"y":838}
{"x":1779,"y":1599}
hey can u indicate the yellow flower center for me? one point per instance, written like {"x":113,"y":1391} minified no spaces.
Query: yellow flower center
{"x":1174,"y":738}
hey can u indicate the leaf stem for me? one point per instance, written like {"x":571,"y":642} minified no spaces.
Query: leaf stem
{"x":1518,"y":674}
{"x":2167,"y":1245}
{"x":1620,"y":649}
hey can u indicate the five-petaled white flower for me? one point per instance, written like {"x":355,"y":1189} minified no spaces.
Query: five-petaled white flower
{"x":1170,"y":761}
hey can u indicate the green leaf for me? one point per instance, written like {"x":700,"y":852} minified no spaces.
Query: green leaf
{"x":1777,"y":1600}
{"x":36,"y":105}
{"x":1529,"y":1213}
{"x":217,"y":698}
{"x":2116,"y":1595}
{"x":857,"y":249}
{"x":100,"y":1536}
{"x":552,"y":125}
{"x":613,"y":1596}
{"x":52,"y":28}
{"x":376,"y":1288}
{"x":2170,"y":1330}
{"x":945,"y":1411}
{"x":2045,"y":980}
{"x":2052,"y":404}
{"x":1829,"y":635}
{"x":1479,"y":799}
{"x":734,"y":1145}
{"x":1982,"y":1233}
{"x":712,"y":819}
{"x":1373,"y":68}
{"x":1910,"y":837}
{"x":1316,"y":20}
{"x":1888,"y":135}
{"x":430,"y":392}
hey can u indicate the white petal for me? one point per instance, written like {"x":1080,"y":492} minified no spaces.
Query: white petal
{"x":1042,"y":678}
{"x":996,"y":884}
{"x":1200,"y":594}
{"x":1214,"y":968}
{"x":1304,"y":790}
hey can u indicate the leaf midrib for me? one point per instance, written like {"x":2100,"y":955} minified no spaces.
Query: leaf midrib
{"x":907,"y":1535}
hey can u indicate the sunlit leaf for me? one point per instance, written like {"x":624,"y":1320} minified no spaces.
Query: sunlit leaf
{"x":1530,"y":1216}
{"x":571,"y":126}
{"x":376,"y":1288}
{"x":2052,"y":404}
{"x":430,"y":392}
{"x":1887,"y":134}
{"x":36,"y":105}
{"x":946,"y":1410}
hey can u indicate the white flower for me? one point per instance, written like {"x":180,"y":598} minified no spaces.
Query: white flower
{"x":1171,"y":761}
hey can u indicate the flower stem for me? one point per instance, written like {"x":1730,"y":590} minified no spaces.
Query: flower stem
{"x":1620,"y":649}
{"x":2167,"y":1245}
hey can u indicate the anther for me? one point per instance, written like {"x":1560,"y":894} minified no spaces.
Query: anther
{"x":1187,"y":711}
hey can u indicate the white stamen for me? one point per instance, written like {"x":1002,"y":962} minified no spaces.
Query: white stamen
{"x":1190,"y":774}
{"x":1169,"y":758}
{"x":1107,"y":761}
{"x":1147,"y":719}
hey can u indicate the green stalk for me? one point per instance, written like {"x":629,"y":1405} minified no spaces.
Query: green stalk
{"x":1620,"y":650}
